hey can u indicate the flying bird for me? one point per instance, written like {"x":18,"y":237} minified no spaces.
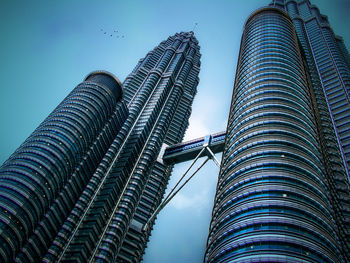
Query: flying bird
{"x":111,"y":33}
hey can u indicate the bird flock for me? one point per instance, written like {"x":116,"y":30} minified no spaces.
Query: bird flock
{"x":115,"y":33}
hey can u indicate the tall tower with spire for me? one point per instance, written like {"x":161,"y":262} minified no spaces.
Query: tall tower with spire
{"x":81,"y":187}
{"x":180,"y":76}
{"x":106,"y":223}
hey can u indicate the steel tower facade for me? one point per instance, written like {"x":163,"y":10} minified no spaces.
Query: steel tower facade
{"x":80,"y":188}
{"x":328,"y":62}
{"x":106,"y":221}
{"x":183,"y":64}
{"x":42,"y":180}
{"x":277,"y":198}
{"x":180,"y":76}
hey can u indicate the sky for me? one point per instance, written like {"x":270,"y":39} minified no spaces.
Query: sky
{"x":48,"y":47}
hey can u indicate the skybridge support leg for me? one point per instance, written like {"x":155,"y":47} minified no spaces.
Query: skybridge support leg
{"x":212,"y":156}
{"x":174,"y":191}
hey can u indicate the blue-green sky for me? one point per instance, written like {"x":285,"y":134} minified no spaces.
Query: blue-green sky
{"x":48,"y":47}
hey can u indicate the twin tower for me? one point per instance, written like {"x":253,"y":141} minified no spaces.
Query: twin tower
{"x":86,"y":181}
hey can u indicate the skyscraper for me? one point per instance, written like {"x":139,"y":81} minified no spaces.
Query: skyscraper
{"x":180,"y":77}
{"x":42,"y":180}
{"x":112,"y":180}
{"x":328,"y":64}
{"x":283,"y":189}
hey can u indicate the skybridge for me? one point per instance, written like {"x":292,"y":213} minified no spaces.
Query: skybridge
{"x":191,"y":150}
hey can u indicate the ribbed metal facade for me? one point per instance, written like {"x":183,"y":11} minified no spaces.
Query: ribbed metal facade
{"x":42,"y":180}
{"x":82,"y":186}
{"x":181,"y":74}
{"x":105,"y":222}
{"x":274,"y":201}
{"x":328,"y":77}
{"x":330,"y":64}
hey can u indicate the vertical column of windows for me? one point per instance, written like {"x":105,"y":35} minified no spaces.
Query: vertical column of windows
{"x":271,"y":187}
{"x":43,"y":166}
{"x":344,"y":51}
{"x":304,"y":10}
{"x":337,"y":95}
{"x":292,"y":8}
{"x":169,"y":128}
{"x":336,"y":173}
{"x":156,"y":108}
{"x":75,"y":186}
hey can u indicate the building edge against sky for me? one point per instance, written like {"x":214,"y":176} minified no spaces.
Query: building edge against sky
{"x":41,"y":180}
{"x":89,"y":174}
{"x":280,"y":174}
